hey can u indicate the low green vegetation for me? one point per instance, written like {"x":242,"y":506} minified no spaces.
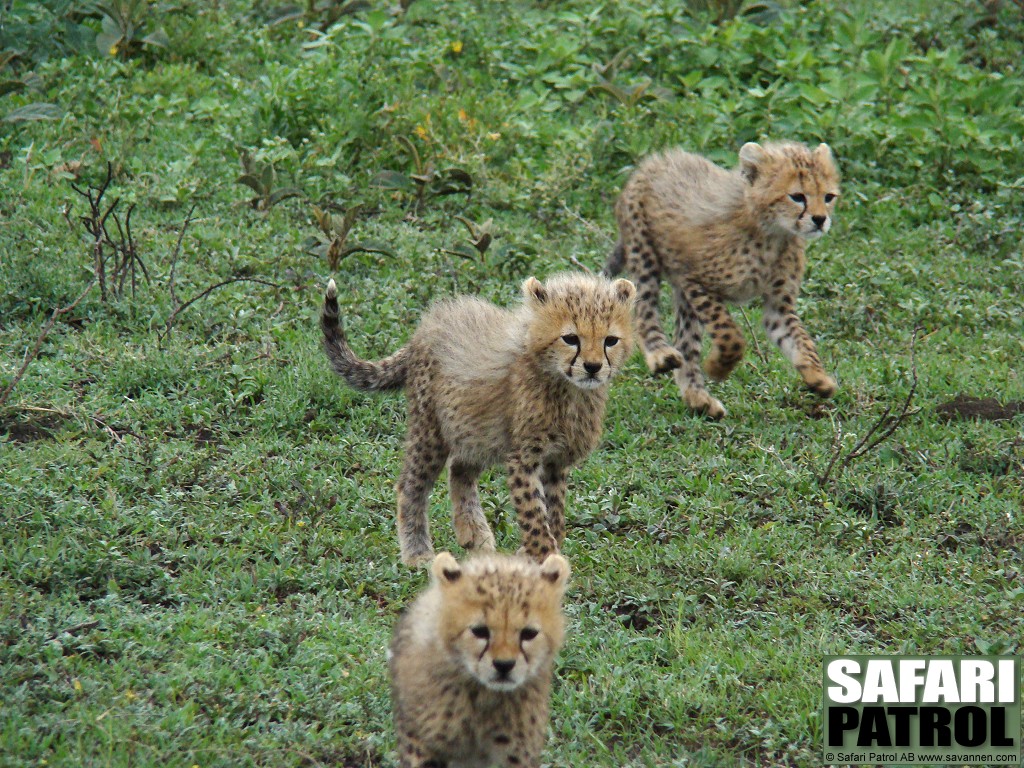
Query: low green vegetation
{"x":197,"y":557}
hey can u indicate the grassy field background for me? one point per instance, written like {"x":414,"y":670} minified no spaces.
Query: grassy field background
{"x":197,"y":557}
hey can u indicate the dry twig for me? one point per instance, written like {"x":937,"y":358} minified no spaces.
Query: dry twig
{"x":96,"y":225}
{"x":34,"y":352}
{"x":580,"y":265}
{"x":104,"y":247}
{"x":85,"y":626}
{"x":202,"y":295}
{"x":177,"y":252}
{"x":753,"y":336}
{"x":881,"y":430}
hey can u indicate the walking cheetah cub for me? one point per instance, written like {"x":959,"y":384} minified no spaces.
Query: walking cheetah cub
{"x":724,"y":236}
{"x":526,"y":387}
{"x":471,"y":662}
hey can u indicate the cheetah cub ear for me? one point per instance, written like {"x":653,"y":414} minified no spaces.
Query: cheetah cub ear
{"x":534,"y":291}
{"x":555,"y":570}
{"x":624,"y":290}
{"x":824,"y":151}
{"x":445,"y":569}
{"x":751,"y":157}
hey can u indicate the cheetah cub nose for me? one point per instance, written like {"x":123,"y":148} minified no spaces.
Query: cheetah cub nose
{"x":819,"y":221}
{"x":592,"y":368}
{"x":504,"y":667}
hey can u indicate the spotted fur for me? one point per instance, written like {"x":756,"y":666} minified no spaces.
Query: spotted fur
{"x":471,"y":663}
{"x":524,"y":387}
{"x":721,"y":237}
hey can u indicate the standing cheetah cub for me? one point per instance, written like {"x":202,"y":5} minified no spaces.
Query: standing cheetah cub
{"x":524,"y":387}
{"x":471,"y":663}
{"x":724,"y":236}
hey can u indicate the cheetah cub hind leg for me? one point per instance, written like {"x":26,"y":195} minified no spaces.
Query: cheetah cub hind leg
{"x":471,"y":528}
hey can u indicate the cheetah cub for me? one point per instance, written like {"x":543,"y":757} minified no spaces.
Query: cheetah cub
{"x":471,"y":662}
{"x":722,"y":237}
{"x":524,"y":387}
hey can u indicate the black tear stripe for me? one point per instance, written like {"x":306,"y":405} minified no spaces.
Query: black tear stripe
{"x":573,"y":362}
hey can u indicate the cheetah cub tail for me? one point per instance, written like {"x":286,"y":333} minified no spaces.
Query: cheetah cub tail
{"x":616,"y":261}
{"x":389,"y":373}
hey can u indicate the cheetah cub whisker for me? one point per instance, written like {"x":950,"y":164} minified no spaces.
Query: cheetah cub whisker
{"x":526,"y":387}
{"x":471,"y":662}
{"x":721,"y":237}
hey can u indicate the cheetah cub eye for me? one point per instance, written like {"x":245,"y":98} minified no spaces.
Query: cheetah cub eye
{"x":799,"y":197}
{"x":571,"y":339}
{"x":611,"y":341}
{"x":528,"y":633}
{"x":480,"y":632}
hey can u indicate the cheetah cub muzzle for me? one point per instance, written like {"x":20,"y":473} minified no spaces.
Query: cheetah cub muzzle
{"x":525,"y":387}
{"x":724,"y":237}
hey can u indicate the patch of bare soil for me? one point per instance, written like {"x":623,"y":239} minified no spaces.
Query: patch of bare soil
{"x":965,"y":407}
{"x":41,"y":427}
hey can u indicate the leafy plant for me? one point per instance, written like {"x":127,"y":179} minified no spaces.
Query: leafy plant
{"x":480,"y":238}
{"x":721,"y":11}
{"x":27,"y":112}
{"x":321,"y":13}
{"x":331,"y":242}
{"x":627,"y":95}
{"x":123,"y":28}
{"x":425,"y":182}
{"x":261,"y":178}
{"x":37,"y":30}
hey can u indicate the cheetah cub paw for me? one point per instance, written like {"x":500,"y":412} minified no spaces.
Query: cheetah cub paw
{"x":418,"y":558}
{"x":820,"y":383}
{"x":701,"y":402}
{"x":474,"y":535}
{"x":663,"y":359}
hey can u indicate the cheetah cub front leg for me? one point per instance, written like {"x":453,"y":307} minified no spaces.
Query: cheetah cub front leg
{"x":526,"y":486}
{"x":555,"y":480}
{"x":787,"y":332}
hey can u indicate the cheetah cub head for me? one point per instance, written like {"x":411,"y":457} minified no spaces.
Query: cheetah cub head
{"x":580,"y":326}
{"x":793,"y":189}
{"x":501,"y":616}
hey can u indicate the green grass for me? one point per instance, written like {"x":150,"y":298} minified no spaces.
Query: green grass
{"x":197,"y":558}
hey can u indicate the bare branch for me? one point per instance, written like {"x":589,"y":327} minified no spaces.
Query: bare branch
{"x":177,"y":251}
{"x":837,"y":449}
{"x":85,"y":626}
{"x":580,"y":265}
{"x":753,"y":336}
{"x":34,"y":353}
{"x":863,"y":446}
{"x":207,"y":292}
{"x":884,"y":426}
{"x":96,"y":420}
{"x":594,"y":229}
{"x":95,"y":225}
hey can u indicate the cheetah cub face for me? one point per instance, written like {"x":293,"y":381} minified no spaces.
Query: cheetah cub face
{"x":502,"y":632}
{"x":584,"y":339}
{"x":794,"y":189}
